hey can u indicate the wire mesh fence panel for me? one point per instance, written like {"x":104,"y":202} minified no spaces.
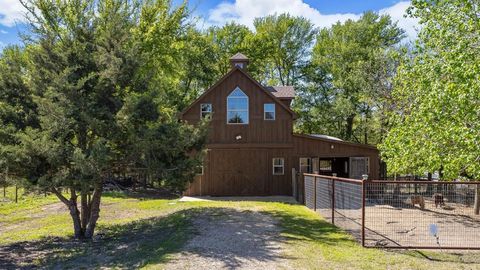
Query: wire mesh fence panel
{"x":324,"y":197}
{"x":421,"y":215}
{"x":309,"y":191}
{"x":348,"y":206}
{"x":337,"y":200}
{"x":399,"y":214}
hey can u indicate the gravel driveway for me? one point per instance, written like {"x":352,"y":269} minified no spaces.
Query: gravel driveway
{"x":232,"y":239}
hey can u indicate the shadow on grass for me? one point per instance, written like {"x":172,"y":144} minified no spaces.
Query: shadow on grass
{"x":121,"y":246}
{"x":227,"y":236}
{"x":141,"y":194}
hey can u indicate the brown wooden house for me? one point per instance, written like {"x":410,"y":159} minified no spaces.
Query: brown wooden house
{"x":252,"y":148}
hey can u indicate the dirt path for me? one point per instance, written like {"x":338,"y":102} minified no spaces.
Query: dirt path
{"x":232,"y":239}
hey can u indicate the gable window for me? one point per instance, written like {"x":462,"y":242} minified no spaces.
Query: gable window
{"x":269,"y":111}
{"x":205,"y":110}
{"x":278,"y":166}
{"x":237,"y":107}
{"x":305,"y":165}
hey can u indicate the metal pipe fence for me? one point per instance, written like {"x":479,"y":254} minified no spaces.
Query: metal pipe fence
{"x":399,"y":214}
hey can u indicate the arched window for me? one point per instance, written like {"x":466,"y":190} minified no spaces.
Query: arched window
{"x":237,"y":107}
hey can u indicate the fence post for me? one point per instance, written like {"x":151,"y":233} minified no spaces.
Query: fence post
{"x":363,"y":211}
{"x":315,"y":193}
{"x":333,"y":201}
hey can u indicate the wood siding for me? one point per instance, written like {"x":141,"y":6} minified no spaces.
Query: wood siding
{"x":257,"y":130}
{"x":244,"y":167}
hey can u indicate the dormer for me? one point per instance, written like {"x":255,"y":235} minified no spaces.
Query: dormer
{"x":284,"y":93}
{"x":239,"y":60}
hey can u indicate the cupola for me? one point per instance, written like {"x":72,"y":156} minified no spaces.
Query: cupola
{"x":239,"y":60}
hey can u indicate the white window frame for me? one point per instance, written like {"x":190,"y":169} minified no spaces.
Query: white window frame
{"x":247,"y":110}
{"x":265,"y":112}
{"x":309,"y":165}
{"x":278,"y":166}
{"x":207,"y":112}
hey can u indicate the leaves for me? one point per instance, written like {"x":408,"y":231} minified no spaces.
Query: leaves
{"x":435,"y":122}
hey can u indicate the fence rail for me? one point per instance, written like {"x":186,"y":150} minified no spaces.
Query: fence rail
{"x":399,"y":214}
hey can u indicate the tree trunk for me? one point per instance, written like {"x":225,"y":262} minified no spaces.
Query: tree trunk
{"x":84,"y":222}
{"x":85,"y":209}
{"x":16,"y":193}
{"x":349,"y":127}
{"x":77,"y":224}
{"x":94,"y":210}
{"x":71,"y":203}
{"x":477,"y":200}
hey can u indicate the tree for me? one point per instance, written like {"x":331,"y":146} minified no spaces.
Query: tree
{"x":351,"y":63}
{"x":100,"y":106}
{"x":197,"y":66}
{"x":287,"y":42}
{"x":227,"y":41}
{"x":17,"y":110}
{"x":435,"y":124}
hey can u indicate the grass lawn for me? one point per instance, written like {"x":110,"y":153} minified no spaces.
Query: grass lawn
{"x":147,"y":232}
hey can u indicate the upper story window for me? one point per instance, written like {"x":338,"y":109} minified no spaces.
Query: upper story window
{"x":240,"y":65}
{"x":237,"y":107}
{"x":269,"y":111}
{"x":205,"y":110}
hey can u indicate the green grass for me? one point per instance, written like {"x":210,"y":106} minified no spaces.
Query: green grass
{"x":146,"y":232}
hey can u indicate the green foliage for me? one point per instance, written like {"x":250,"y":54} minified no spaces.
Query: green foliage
{"x":435,"y":122}
{"x":286,"y":42}
{"x":97,"y":90}
{"x":150,"y":231}
{"x":348,"y":77}
{"x":228,"y":40}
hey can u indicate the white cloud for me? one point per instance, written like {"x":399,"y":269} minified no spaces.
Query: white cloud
{"x":11,"y":11}
{"x":397,"y":12}
{"x":245,"y":11}
{"x":3,"y":32}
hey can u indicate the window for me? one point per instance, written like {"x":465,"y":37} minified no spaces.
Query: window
{"x":237,"y":107}
{"x":325,"y":165}
{"x":269,"y":111}
{"x":305,"y":165}
{"x":278,"y":166}
{"x":240,"y":65}
{"x":205,"y":110}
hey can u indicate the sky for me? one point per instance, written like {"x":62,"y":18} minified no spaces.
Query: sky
{"x":322,"y":13}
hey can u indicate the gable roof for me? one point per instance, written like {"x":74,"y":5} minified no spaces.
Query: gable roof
{"x":282,"y":92}
{"x":239,"y":56}
{"x":248,"y":76}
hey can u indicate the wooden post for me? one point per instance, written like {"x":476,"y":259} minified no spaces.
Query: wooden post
{"x":363,"y":212}
{"x":294,"y":185}
{"x":315,"y":193}
{"x":16,"y":193}
{"x":333,"y":201}
{"x":477,"y":200}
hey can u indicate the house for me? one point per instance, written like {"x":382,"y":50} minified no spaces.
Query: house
{"x":252,"y":149}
